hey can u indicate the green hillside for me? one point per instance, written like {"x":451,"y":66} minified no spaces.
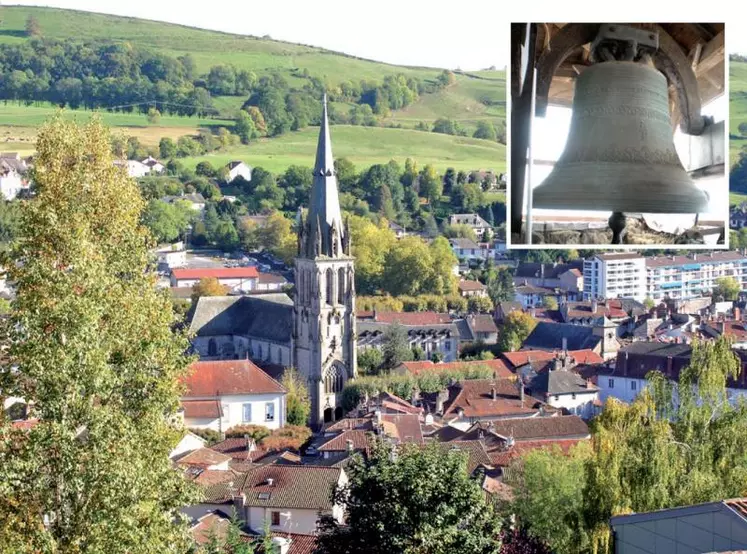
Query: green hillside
{"x":473,"y":97}
{"x":365,"y":146}
{"x":737,"y":105}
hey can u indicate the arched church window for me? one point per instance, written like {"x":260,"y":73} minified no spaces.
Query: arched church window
{"x":212,"y":348}
{"x":341,"y":286}
{"x":330,"y":286}
{"x":333,"y":380}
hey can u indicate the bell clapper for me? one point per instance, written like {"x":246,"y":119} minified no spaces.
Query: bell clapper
{"x":617,"y":225}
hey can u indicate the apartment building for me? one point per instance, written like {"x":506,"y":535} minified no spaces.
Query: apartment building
{"x":683,"y":277}
{"x":615,"y":275}
{"x":630,"y":275}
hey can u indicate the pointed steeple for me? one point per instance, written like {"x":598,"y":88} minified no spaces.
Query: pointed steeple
{"x":325,"y":162}
{"x":324,"y":206}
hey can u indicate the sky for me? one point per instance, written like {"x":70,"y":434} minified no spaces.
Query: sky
{"x":469,"y":35}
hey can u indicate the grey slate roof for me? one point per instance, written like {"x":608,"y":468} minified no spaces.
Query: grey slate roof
{"x":371,"y":333}
{"x":549,"y":336}
{"x":465,"y":333}
{"x":265,"y":316}
{"x":558,"y":381}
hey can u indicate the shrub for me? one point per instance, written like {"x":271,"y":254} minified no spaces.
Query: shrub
{"x":256,"y":432}
{"x":212,"y":437}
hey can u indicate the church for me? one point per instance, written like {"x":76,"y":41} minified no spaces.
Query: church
{"x":316,"y":330}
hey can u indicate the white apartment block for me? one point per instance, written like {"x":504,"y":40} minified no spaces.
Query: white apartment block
{"x":615,"y":275}
{"x":694,"y":275}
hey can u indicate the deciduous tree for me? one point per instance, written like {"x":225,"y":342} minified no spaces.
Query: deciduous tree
{"x":97,"y":358}
{"x":297,"y":400}
{"x":516,"y":328}
{"x":411,"y":499}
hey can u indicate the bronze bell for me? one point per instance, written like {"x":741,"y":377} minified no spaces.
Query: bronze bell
{"x":620,"y":154}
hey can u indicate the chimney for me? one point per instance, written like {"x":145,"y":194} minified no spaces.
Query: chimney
{"x":521,"y":392}
{"x":493,"y":394}
{"x":270,"y":481}
{"x":282,"y":544}
{"x":565,"y":344}
{"x":377,"y":413}
{"x":441,"y":398}
{"x":349,"y":446}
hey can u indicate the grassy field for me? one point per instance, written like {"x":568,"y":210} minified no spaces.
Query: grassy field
{"x":366,"y":146}
{"x":18,"y":125}
{"x":736,"y":198}
{"x":475,"y":96}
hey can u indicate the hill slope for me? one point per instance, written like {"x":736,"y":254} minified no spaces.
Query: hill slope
{"x":473,"y":97}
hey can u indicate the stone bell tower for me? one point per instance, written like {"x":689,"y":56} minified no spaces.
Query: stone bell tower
{"x":324,"y":305}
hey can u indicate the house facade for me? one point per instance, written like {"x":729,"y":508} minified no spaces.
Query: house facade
{"x":223,"y":394}
{"x":238,"y":169}
{"x":473,"y":221}
{"x":289,"y":499}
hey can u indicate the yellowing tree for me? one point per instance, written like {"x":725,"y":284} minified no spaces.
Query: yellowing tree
{"x":92,"y":339}
{"x":208,"y":286}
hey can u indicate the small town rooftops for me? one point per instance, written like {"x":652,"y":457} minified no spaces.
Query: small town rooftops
{"x":215,"y":272}
{"x":289,"y":486}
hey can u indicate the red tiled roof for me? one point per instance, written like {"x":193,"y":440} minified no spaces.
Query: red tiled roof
{"x":236,"y":448}
{"x":467,"y":285}
{"x":300,"y":544}
{"x":576,"y":272}
{"x":504,"y":458}
{"x":499,"y":367}
{"x":306,"y":487}
{"x":522,"y":357}
{"x":735,"y":329}
{"x":534,"y":428}
{"x":229,"y":377}
{"x":413,"y":318}
{"x":217,"y":272}
{"x":212,"y":477}
{"x":200,"y":409}
{"x":349,"y":423}
{"x":203,"y":457}
{"x":405,"y":427}
{"x":214,"y":525}
{"x":359,"y":439}
{"x":475,"y":398}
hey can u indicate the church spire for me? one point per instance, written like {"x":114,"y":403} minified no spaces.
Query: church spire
{"x":325,"y":162}
{"x":324,"y":207}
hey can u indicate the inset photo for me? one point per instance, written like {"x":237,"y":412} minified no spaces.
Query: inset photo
{"x":618,"y":135}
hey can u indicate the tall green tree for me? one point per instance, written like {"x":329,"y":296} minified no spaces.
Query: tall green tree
{"x":395,"y":346}
{"x":516,"y":328}
{"x":500,"y":284}
{"x":96,"y":355}
{"x":727,"y":288}
{"x":298,"y":402}
{"x":411,"y":500}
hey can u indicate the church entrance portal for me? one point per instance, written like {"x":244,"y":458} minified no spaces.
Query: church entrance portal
{"x":338,"y":413}
{"x":328,"y":414}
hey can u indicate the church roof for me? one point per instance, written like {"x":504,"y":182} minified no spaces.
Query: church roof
{"x":324,"y":207}
{"x":263,"y":316}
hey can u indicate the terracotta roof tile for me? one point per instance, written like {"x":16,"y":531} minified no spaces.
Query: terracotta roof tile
{"x":405,"y":427}
{"x":522,"y":357}
{"x":303,"y":487}
{"x":300,"y":544}
{"x":201,"y":408}
{"x":216,"y":272}
{"x":412,"y":318}
{"x":339,"y":443}
{"x":475,"y":398}
{"x":203,"y":457}
{"x":224,"y":377}
{"x":499,"y":367}
{"x":215,"y":525}
{"x":533,"y":428}
{"x":467,"y":285}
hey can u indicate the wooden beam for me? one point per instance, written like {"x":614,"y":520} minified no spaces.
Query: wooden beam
{"x":694,"y":55}
{"x":711,"y":55}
